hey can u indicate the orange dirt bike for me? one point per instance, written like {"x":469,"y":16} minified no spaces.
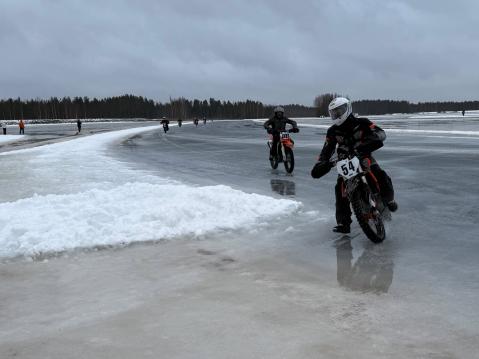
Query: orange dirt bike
{"x":362,"y":189}
{"x":284,"y":151}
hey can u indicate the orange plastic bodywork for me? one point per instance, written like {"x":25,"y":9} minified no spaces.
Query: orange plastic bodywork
{"x":287,"y":142}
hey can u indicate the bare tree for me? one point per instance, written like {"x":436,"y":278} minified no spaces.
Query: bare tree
{"x":321,"y":103}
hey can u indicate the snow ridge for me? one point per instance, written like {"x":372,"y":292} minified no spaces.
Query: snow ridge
{"x":84,"y":199}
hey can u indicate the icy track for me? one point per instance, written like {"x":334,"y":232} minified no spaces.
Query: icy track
{"x":72,"y":195}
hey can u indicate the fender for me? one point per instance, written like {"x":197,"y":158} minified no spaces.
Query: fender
{"x":288,"y":143}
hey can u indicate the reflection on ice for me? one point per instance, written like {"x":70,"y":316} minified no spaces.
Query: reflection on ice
{"x":372,"y":271}
{"x":283,"y":187}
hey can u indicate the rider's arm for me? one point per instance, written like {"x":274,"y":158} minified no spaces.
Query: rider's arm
{"x":372,"y":138}
{"x":292,"y":123}
{"x":267,"y":124}
{"x":323,"y":166}
{"x":328,"y":147}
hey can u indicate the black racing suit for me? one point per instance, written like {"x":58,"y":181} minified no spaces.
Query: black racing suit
{"x":362,"y":137}
{"x":166,"y":125}
{"x":274,"y":126}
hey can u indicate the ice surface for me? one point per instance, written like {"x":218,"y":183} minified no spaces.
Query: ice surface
{"x":71,"y":194}
{"x":291,"y":289}
{"x":411,"y":131}
{"x":392,"y":124}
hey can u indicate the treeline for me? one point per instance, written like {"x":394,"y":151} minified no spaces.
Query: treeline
{"x":382,"y":107}
{"x":130,"y":106}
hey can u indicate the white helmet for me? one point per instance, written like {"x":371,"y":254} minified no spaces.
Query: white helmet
{"x":278,"y":109}
{"x":339,"y":110}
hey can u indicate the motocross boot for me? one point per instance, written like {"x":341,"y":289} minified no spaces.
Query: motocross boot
{"x":342,"y":228}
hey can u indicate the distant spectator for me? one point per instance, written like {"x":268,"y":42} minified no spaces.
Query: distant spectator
{"x":79,"y":125}
{"x":21,"y":125}
{"x":463,"y":112}
{"x":4,"y":128}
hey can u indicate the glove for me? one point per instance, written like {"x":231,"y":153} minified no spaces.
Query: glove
{"x":294,"y":130}
{"x":320,"y":169}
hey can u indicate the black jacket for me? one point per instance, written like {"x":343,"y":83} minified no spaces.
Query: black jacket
{"x":279,"y":124}
{"x":355,"y":135}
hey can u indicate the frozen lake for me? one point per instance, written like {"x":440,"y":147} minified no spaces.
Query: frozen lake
{"x":234,"y":259}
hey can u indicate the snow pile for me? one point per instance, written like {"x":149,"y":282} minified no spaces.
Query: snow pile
{"x":129,"y":213}
{"x":74,"y":195}
{"x":77,"y":165}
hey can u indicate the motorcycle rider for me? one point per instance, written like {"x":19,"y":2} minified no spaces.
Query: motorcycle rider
{"x":277,"y":124}
{"x":165,"y":124}
{"x":358,"y":136}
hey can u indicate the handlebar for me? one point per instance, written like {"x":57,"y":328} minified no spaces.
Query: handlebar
{"x":291,"y":130}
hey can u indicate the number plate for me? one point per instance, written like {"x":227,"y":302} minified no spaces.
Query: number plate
{"x":284,"y":135}
{"x":349,"y":168}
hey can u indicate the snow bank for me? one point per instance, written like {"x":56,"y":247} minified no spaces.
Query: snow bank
{"x":10,"y":138}
{"x":88,"y":144}
{"x":129,"y":213}
{"x":84,"y":198}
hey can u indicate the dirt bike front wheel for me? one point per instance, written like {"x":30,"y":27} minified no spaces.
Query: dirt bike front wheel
{"x":369,"y":218}
{"x":274,"y":162}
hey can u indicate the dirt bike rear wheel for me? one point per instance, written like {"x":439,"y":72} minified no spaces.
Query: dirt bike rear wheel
{"x":369,"y":218}
{"x":289,"y":160}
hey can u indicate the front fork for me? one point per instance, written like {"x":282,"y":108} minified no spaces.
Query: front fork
{"x":372,"y":201}
{"x":354,"y":185}
{"x":283,"y":153}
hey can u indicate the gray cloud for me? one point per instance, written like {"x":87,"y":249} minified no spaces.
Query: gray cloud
{"x":275,"y":51}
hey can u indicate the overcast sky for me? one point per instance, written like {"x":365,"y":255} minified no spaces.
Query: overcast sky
{"x":276,"y":51}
